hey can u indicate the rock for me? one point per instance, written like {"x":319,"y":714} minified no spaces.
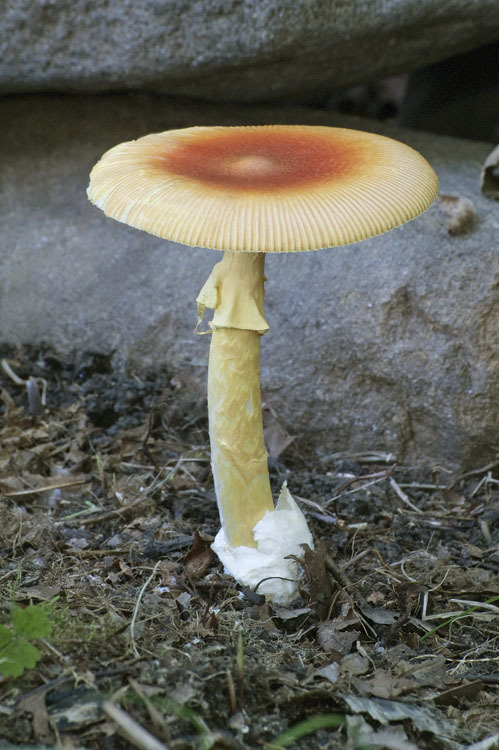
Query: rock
{"x":391,"y":344}
{"x":239,"y":50}
{"x":458,"y":96}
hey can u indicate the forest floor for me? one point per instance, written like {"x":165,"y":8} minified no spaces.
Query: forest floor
{"x":137,"y":638}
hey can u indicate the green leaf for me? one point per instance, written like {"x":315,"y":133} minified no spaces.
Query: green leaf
{"x":321,"y":721}
{"x":32,"y":621}
{"x":5,"y":636}
{"x":17,"y":656}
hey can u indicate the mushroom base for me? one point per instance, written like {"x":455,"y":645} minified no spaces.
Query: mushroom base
{"x":280,"y":533}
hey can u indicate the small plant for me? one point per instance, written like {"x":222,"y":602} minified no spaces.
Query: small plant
{"x":17,"y":651}
{"x":486,"y":605}
{"x":321,"y":721}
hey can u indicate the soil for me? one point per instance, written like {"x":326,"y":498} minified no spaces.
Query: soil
{"x":107,"y":510}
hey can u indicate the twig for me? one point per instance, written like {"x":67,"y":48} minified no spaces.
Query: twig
{"x":371,"y":457}
{"x":376,"y":477}
{"x":421,"y":486}
{"x":100,"y":552}
{"x":430,"y":591}
{"x":160,"y":725}
{"x":132,"y":730}
{"x":489,"y":743}
{"x":485,"y":605}
{"x":34,"y":399}
{"x":322,"y":513}
{"x":10,"y":372}
{"x":46,"y":488}
{"x":403,"y":496}
{"x":475,"y":472}
{"x":109,"y":514}
{"x":137,"y":606}
{"x":360,"y":555}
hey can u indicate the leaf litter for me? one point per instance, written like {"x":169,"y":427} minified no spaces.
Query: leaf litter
{"x":107,"y":510}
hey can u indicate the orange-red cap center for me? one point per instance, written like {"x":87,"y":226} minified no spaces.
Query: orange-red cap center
{"x":273,"y":159}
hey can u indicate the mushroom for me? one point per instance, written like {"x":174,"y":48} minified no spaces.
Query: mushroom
{"x":249,"y":191}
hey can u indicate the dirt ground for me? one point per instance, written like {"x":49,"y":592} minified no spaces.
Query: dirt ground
{"x":107,"y":509}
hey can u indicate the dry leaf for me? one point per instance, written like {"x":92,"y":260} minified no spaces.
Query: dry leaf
{"x":390,"y":739}
{"x":354,"y":664}
{"x":199,"y":557}
{"x":384,"y":685}
{"x":34,"y":703}
{"x":474,"y":551}
{"x":42,"y":592}
{"x":321,"y":585}
{"x":430,"y":672}
{"x":276,"y":437}
{"x":334,"y":640}
{"x":380,"y":615}
{"x":376,"y":597}
{"x":76,"y":544}
{"x":331,"y":672}
{"x":285,"y":613}
{"x":385,"y":711}
{"x":453,"y":697}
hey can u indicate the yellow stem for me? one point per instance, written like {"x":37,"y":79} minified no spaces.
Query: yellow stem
{"x":238,"y":454}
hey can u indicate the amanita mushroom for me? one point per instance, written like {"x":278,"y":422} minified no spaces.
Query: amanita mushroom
{"x":250,"y":191}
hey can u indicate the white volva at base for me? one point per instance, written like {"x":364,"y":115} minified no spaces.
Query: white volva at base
{"x":278,"y":533}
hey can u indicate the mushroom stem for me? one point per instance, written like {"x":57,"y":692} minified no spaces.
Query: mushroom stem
{"x":238,"y":454}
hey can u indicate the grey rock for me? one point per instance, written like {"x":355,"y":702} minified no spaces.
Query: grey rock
{"x":391,"y":344}
{"x":458,"y":96}
{"x":239,"y":50}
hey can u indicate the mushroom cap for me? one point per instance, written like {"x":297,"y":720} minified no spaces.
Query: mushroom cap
{"x":270,"y":188}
